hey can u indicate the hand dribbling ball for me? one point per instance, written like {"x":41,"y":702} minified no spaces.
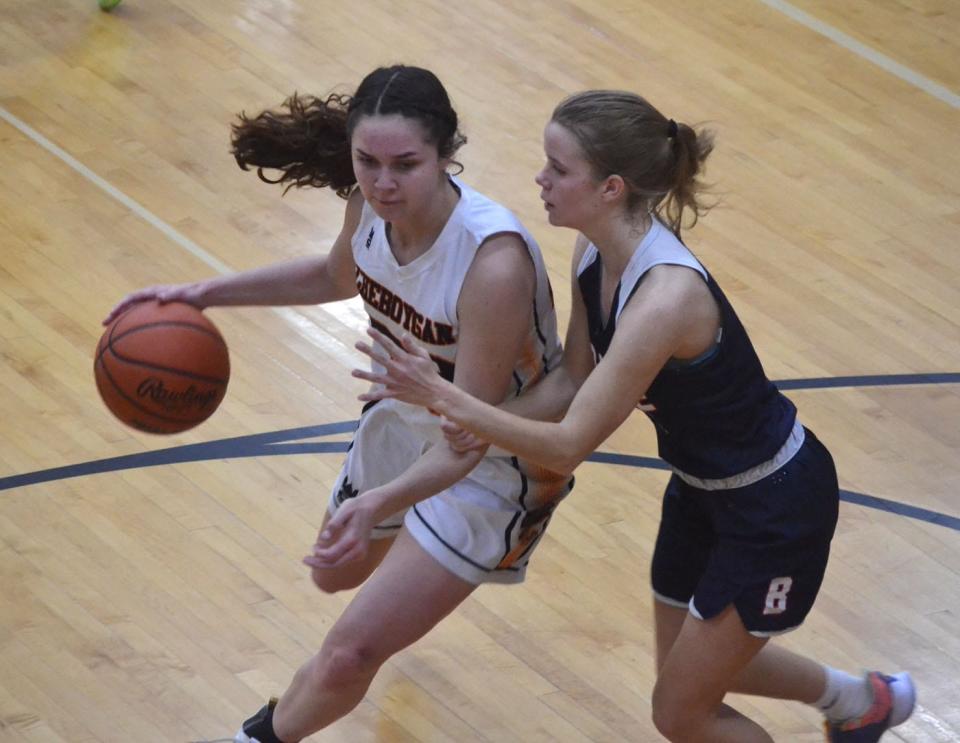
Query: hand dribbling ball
{"x":162,"y":368}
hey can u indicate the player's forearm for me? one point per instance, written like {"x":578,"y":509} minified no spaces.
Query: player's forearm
{"x":297,"y":282}
{"x":438,"y":469}
{"x":547,"y":400}
{"x":552,"y":445}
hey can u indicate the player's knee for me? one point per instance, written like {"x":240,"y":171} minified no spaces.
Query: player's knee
{"x":344,"y":662}
{"x":673,"y":719}
{"x":331,"y":580}
{"x":673,"y":726}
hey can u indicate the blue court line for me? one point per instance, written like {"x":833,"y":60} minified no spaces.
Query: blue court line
{"x":849,"y":496}
{"x":289,"y":441}
{"x":877,"y":380}
{"x":254,"y":445}
{"x":285,"y":442}
{"x":278,"y":443}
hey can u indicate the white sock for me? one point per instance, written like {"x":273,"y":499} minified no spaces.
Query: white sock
{"x":845,"y":697}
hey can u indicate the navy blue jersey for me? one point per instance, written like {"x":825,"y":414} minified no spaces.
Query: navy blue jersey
{"x":716,"y":416}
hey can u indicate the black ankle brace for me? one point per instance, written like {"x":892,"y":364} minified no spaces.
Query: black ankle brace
{"x":260,"y":726}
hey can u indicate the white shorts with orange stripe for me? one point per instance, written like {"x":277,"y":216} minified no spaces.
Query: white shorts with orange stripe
{"x":469,"y":532}
{"x":480,"y":529}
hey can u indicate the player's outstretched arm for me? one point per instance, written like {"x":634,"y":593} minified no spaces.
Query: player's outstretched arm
{"x":650,"y":330}
{"x":309,"y":280}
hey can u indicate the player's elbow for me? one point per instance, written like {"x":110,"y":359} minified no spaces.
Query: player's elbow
{"x":567,"y":451}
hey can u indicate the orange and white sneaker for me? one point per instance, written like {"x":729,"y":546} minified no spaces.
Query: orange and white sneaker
{"x":893,"y":700}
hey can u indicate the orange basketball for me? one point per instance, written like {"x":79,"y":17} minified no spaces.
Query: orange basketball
{"x":162,"y":368}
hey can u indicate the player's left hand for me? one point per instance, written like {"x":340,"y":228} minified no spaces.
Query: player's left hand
{"x":410,"y":375}
{"x":345,"y":538}
{"x":459,"y":439}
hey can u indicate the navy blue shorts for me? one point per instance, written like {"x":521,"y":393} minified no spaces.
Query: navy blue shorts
{"x":762,"y":547}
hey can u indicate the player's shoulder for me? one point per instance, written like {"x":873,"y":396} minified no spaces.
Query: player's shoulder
{"x":502,"y":263}
{"x":675,"y":285}
{"x":483,"y":216}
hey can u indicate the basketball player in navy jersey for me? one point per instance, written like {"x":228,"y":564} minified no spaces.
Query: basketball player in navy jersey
{"x":750,"y":510}
{"x":430,"y":257}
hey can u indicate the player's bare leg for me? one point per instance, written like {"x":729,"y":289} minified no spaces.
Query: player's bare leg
{"x":403,"y":599}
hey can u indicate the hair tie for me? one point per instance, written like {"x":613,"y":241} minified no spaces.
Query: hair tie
{"x":671,"y":129}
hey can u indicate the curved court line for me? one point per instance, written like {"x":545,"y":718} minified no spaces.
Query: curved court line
{"x":875,"y":380}
{"x":289,"y":441}
{"x":849,"y":496}
{"x":253,"y":445}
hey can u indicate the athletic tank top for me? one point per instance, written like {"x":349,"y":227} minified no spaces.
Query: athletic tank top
{"x":421,"y":298}
{"x":716,"y":416}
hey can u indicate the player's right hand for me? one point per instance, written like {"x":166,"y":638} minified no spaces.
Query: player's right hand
{"x":188,"y":293}
{"x":346,"y":537}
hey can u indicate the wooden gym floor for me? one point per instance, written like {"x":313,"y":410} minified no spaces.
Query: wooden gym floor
{"x":158,"y":596}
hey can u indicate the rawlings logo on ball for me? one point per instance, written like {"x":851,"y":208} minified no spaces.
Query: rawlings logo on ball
{"x":175,"y":400}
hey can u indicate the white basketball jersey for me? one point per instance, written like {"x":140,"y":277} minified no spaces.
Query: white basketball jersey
{"x":421,"y":298}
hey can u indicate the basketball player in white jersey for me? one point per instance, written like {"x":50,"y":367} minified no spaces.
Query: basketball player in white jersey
{"x":432,"y":258}
{"x":750,"y":510}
